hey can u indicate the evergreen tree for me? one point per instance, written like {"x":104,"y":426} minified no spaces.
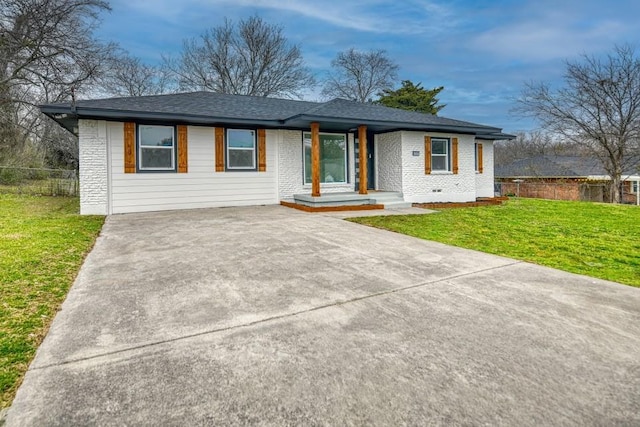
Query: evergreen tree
{"x":412,"y":97}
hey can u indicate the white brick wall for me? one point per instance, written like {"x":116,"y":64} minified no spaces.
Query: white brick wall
{"x":389,"y":161}
{"x":94,"y":189}
{"x":484,"y":180}
{"x":289,"y":163}
{"x":290,"y":167}
{"x":438,"y":186}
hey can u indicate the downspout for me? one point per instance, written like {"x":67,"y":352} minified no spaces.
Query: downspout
{"x":638,"y":192}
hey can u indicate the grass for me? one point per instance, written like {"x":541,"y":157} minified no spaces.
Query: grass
{"x":43,"y":242}
{"x":594,"y":239}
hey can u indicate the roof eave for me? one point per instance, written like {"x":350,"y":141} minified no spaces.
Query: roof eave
{"x":485,"y":130}
{"x":499,"y":136}
{"x":55,"y":111}
{"x":64,"y":117}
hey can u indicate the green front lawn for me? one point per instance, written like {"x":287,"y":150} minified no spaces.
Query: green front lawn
{"x":43,"y":242}
{"x":598,"y":240}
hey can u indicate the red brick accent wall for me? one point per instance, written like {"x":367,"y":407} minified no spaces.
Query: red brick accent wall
{"x":566,"y":190}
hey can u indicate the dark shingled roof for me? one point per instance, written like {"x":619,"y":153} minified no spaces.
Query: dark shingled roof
{"x":552,"y":167}
{"x":204,"y":104}
{"x":342,"y":108}
{"x":208,"y":108}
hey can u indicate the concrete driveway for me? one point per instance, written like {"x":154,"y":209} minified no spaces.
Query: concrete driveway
{"x":271,"y":316}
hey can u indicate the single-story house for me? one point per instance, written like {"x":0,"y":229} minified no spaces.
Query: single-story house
{"x":203,"y":149}
{"x":565,"y":178}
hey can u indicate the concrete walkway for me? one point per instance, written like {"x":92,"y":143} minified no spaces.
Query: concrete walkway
{"x":272,"y":316}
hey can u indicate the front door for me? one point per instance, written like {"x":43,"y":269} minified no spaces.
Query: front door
{"x":371,"y":163}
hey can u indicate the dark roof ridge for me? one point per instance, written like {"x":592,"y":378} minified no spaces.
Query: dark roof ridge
{"x":185,"y":94}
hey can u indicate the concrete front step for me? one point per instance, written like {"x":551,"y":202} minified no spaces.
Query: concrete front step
{"x":386,"y":196}
{"x":390,"y":200}
{"x":397,"y":205}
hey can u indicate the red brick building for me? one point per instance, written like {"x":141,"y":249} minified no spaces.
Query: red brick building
{"x":562,"y":178}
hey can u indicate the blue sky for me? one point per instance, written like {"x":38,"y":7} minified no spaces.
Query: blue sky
{"x":481,"y":51}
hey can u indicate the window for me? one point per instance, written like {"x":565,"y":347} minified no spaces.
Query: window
{"x":156,"y":148}
{"x":440,"y":158}
{"x":635,"y":186}
{"x":479,"y":160}
{"x":333,"y":158}
{"x":476,"y":157}
{"x":241,"y":149}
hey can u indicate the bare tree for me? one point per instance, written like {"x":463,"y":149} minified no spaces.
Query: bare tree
{"x":126,"y":75}
{"x":252,"y":58}
{"x":533,"y":144}
{"x":599,"y":108}
{"x":47,"y":49}
{"x":358,"y":76}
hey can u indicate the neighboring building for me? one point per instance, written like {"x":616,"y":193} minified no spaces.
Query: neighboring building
{"x":201,"y":149}
{"x":563,"y":178}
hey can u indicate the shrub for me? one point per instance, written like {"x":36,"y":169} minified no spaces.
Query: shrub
{"x":11,"y":176}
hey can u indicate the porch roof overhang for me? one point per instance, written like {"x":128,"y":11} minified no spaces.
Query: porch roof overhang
{"x":382,"y":126}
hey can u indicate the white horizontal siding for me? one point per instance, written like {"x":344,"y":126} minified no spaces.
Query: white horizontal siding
{"x":194,"y":187}
{"x":201,"y":187}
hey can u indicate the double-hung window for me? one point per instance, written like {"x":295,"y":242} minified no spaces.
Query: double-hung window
{"x":635,"y":187}
{"x":333,"y":157}
{"x":241,"y":149}
{"x":156,"y":148}
{"x":440,"y":154}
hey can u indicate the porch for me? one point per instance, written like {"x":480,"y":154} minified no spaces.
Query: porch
{"x":349,"y":201}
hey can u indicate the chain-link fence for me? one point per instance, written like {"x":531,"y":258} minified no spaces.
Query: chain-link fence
{"x":46,"y":182}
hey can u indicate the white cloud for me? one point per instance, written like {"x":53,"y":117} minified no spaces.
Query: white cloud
{"x":532,"y":41}
{"x":543,"y":30}
{"x":375,"y":16}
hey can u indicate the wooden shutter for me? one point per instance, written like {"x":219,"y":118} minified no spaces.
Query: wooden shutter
{"x":129,"y":147}
{"x":454,"y":155}
{"x":480,"y":162}
{"x":183,"y":165}
{"x":262,"y":150}
{"x":219,"y":149}
{"x":427,"y":155}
